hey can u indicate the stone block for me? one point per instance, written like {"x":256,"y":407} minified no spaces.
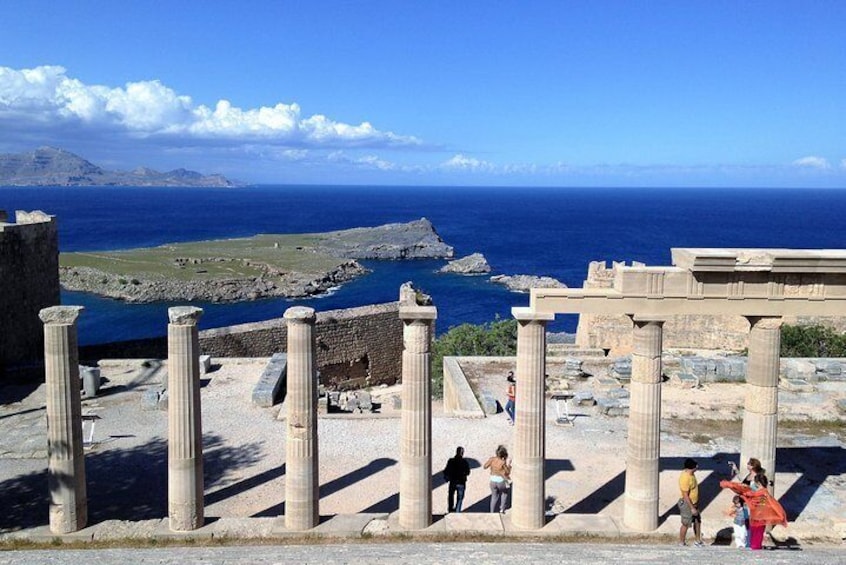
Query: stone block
{"x":270,"y":387}
{"x":612,"y":406}
{"x":322,"y":405}
{"x":205,"y":364}
{"x":396,"y":402}
{"x":797,"y":385}
{"x":841,"y":406}
{"x":685,"y":380}
{"x":584,"y":398}
{"x":155,"y":399}
{"x":799,"y":369}
{"x":90,"y":380}
{"x":489,"y":403}
{"x":351,"y":404}
{"x":365,"y":401}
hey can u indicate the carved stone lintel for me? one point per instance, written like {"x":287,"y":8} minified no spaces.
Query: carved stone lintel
{"x":62,"y":315}
{"x":184,"y":315}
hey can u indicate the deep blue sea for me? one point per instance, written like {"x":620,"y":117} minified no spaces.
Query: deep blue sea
{"x":539,"y":231}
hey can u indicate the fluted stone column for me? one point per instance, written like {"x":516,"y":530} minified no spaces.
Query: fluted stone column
{"x":760,"y":416}
{"x":415,"y":497}
{"x":184,"y":420}
{"x":643,"y":449}
{"x":302,"y":484}
{"x":527,"y":473}
{"x":65,"y":459}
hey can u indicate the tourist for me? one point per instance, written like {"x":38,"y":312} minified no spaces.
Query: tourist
{"x":500,"y":468}
{"x":688,"y":504}
{"x":455,"y":473}
{"x":753,"y":467}
{"x":511,"y":393}
{"x":764,"y":509}
{"x":740,"y":521}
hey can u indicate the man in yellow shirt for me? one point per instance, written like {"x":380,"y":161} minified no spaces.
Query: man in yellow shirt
{"x":688,"y":504}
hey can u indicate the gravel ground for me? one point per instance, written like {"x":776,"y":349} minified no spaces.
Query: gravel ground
{"x":359,"y":454}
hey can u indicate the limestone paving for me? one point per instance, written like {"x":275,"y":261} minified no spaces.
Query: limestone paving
{"x":244,"y":458}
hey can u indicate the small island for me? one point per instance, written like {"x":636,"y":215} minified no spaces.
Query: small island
{"x":234,"y":270}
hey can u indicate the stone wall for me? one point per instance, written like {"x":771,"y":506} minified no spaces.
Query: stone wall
{"x":614,"y":333}
{"x":356,"y":347}
{"x":29,"y":281}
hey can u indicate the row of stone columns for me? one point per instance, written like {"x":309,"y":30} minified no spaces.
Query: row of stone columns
{"x":65,"y":458}
{"x":66,"y":464}
{"x":643,"y":451}
{"x":66,"y":468}
{"x":760,"y":416}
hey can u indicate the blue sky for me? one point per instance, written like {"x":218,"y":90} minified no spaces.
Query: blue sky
{"x":558,"y":93}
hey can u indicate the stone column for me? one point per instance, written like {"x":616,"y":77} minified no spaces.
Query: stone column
{"x":760,"y":416}
{"x":65,"y":459}
{"x":527,"y":473}
{"x":643,"y":448}
{"x":302,"y":484}
{"x":415,"y":496}
{"x":184,"y":421}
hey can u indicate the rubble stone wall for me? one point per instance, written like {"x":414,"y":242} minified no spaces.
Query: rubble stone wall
{"x":355,"y":346}
{"x":29,"y":279}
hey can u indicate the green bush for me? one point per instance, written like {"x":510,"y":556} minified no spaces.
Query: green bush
{"x":493,"y":339}
{"x":812,"y":341}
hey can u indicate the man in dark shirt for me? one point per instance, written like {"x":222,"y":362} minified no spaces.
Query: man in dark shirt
{"x":455,"y":473}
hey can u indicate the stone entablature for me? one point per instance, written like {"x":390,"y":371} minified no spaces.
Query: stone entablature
{"x":709,"y":290}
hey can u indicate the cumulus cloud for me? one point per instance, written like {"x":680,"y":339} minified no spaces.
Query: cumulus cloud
{"x":812,"y":162}
{"x":462,"y":162}
{"x":47,"y":97}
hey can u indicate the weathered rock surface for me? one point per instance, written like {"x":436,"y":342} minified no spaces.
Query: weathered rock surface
{"x":151,"y":289}
{"x":412,"y":240}
{"x":49,"y":166}
{"x":474,"y":264}
{"x":523,"y":283}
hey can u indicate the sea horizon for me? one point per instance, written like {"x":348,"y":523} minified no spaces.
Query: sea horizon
{"x":544,"y":231}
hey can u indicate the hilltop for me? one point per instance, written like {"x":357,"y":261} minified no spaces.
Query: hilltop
{"x":50,"y":166}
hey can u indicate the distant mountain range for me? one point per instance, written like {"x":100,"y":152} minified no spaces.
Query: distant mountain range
{"x":49,"y":166}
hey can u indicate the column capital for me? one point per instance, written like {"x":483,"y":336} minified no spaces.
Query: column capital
{"x":62,"y":315}
{"x":184,"y":315}
{"x":302,"y":314}
{"x":412,"y":313}
{"x":765,"y":322}
{"x":526,"y":314}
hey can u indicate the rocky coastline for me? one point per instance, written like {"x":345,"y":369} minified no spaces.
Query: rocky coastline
{"x":524,"y":283}
{"x":264,"y":266}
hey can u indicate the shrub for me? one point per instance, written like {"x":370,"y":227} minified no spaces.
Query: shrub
{"x":812,"y":341}
{"x":494,"y":339}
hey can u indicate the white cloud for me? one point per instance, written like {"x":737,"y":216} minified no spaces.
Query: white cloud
{"x":812,"y":162}
{"x":47,"y":97}
{"x":843,"y":164}
{"x":461,"y":162}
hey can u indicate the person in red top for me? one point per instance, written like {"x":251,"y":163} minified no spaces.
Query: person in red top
{"x":511,"y":393}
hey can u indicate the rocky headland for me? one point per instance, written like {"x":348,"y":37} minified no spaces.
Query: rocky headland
{"x":234,"y":270}
{"x":474,"y":264}
{"x":49,"y":166}
{"x":523,"y":283}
